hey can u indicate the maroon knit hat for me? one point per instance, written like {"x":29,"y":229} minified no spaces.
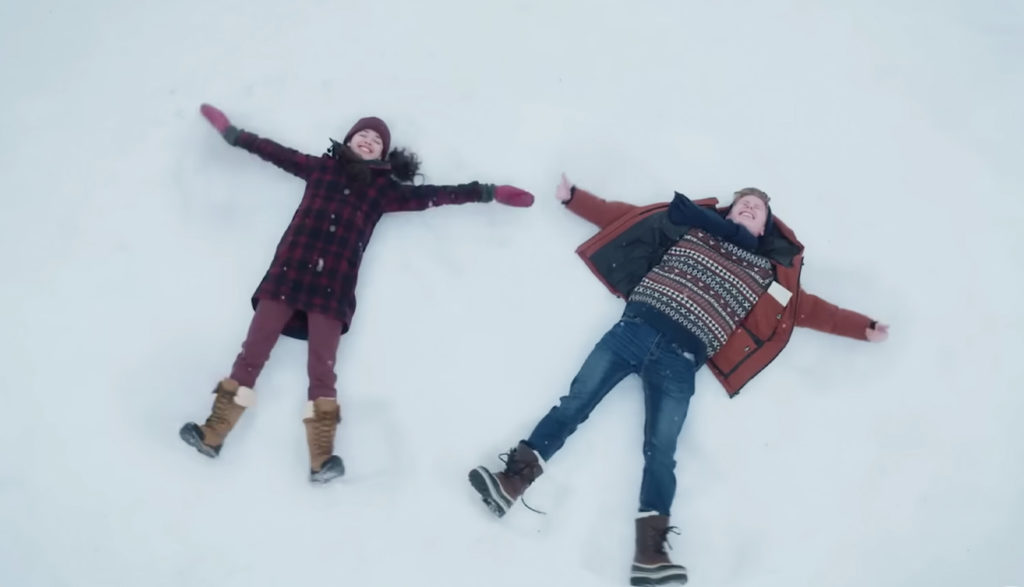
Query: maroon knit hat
{"x":372,"y":123}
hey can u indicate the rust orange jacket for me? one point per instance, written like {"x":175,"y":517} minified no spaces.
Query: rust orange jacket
{"x":632,"y":240}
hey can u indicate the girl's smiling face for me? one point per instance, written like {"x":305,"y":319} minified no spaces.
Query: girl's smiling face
{"x":367,"y":144}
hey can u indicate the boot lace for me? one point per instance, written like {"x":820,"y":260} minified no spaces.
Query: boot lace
{"x":218,"y":415}
{"x":323,"y":438}
{"x":517,"y":468}
{"x":662,"y":539}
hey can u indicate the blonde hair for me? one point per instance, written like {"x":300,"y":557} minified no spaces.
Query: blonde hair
{"x":751,"y":192}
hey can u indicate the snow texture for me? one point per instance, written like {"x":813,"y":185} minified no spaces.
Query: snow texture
{"x":889,"y":134}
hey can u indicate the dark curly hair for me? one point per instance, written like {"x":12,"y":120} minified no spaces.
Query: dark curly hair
{"x":405,"y":165}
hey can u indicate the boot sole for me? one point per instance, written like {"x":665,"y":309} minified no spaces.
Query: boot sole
{"x":332,"y":468}
{"x":193,"y":436}
{"x":666,"y":577}
{"x":483,"y":481}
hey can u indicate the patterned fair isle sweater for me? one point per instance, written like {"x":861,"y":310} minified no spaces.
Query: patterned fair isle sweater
{"x":700,"y":292}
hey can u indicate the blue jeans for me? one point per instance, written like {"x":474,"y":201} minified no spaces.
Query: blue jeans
{"x":667,"y":373}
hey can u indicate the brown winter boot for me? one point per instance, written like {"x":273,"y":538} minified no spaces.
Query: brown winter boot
{"x":229,"y":403}
{"x":651,"y":565}
{"x":500,"y":490}
{"x":321,"y":420}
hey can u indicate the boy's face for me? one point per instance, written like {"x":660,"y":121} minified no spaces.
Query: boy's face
{"x":751,"y":212}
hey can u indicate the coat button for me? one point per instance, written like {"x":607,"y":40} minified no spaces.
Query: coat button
{"x":746,"y":349}
{"x":347,"y":191}
{"x":778,"y":316}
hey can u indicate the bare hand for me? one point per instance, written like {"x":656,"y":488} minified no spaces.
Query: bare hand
{"x":564,"y":190}
{"x":877,"y":334}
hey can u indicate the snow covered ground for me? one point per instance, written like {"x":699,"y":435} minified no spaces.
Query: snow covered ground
{"x":889,"y":134}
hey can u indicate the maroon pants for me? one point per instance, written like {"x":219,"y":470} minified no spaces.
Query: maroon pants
{"x":266,"y":327}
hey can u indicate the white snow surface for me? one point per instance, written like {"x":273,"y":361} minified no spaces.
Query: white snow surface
{"x":889,"y":134}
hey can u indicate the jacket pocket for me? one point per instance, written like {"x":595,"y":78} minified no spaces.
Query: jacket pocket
{"x":740,"y":345}
{"x":764,"y":318}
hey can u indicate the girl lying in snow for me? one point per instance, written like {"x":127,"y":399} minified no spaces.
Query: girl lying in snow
{"x":309,"y":291}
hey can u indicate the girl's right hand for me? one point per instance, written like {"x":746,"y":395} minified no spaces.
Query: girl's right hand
{"x":564,"y":190}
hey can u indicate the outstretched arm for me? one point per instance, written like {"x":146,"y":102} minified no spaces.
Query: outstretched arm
{"x":818,"y":314}
{"x":292,"y":161}
{"x":420,"y":197}
{"x":406,"y":198}
{"x":590,"y":207}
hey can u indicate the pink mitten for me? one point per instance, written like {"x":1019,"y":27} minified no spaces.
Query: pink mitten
{"x":513,"y":196}
{"x":216,"y":117}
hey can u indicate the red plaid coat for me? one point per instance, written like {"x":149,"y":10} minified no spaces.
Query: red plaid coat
{"x":317,"y":261}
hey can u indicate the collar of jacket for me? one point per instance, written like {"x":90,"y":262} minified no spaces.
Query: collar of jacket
{"x":336,"y":150}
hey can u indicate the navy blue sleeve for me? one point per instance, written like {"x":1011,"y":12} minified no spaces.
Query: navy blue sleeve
{"x":684,"y":212}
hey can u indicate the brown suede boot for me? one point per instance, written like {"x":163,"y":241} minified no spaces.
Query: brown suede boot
{"x":651,"y":565}
{"x":501,"y":490}
{"x":229,"y":402}
{"x":321,"y":420}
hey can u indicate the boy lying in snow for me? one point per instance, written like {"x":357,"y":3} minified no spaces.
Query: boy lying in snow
{"x":701,"y":285}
